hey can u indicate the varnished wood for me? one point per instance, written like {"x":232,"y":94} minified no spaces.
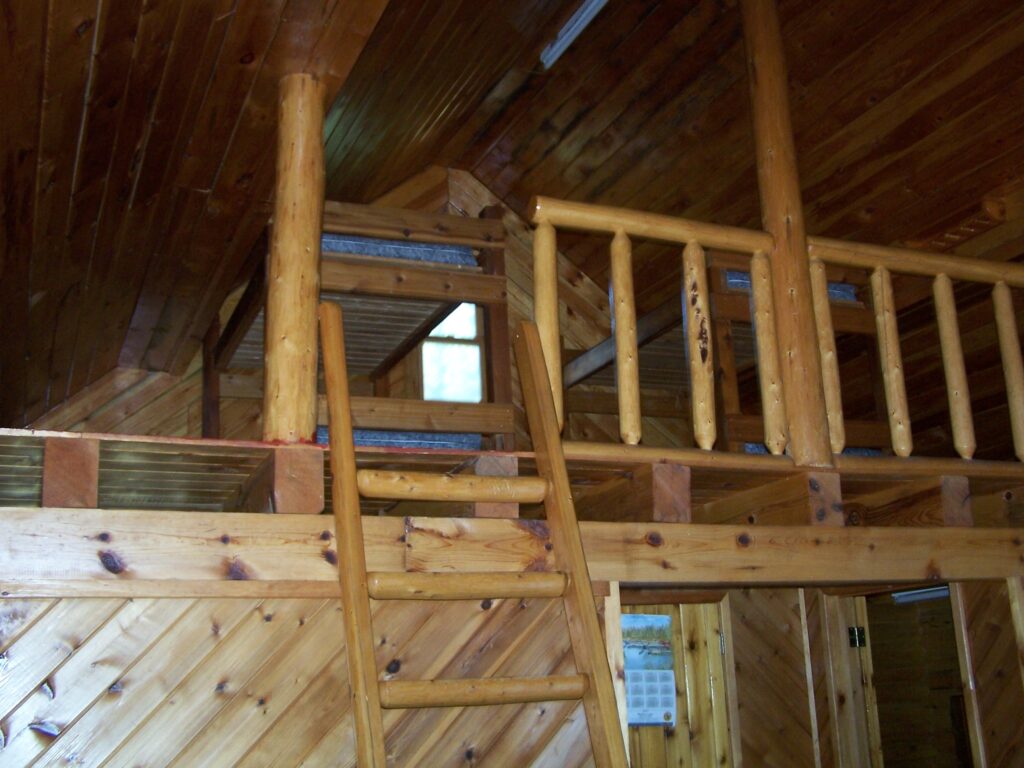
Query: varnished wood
{"x":287,"y":552}
{"x":1013,"y":364}
{"x":361,"y":277}
{"x":545,"y":308}
{"x":698,"y":345}
{"x":892,"y":362}
{"x":783,"y":217}
{"x":293,"y":282}
{"x":953,"y":363}
{"x":405,"y":694}
{"x":829,"y":356}
{"x":588,"y":647}
{"x":413,"y":226}
{"x":464,"y":586}
{"x":381,"y":484}
{"x":71,"y":469}
{"x":569,"y":215}
{"x":355,"y":599}
{"x":773,"y":404}
{"x":627,"y":366}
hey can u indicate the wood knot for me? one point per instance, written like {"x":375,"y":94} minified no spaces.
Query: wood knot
{"x":393,"y":666}
{"x":743,"y":539}
{"x":112,"y":561}
{"x":654,"y":539}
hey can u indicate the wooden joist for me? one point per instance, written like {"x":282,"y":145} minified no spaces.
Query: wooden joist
{"x":88,"y":552}
{"x":359,"y":277}
{"x":405,"y":694}
{"x":412,"y":226}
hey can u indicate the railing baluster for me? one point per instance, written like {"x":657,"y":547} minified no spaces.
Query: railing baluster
{"x":698,"y":340}
{"x":892,"y":361}
{"x":829,"y":356}
{"x":953,"y":364}
{"x":545,"y":308}
{"x":627,"y":370}
{"x":772,"y":402}
{"x":1013,"y":367}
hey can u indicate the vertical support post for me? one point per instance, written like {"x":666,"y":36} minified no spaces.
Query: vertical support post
{"x":773,"y":405}
{"x":498,"y":343}
{"x":698,"y":345}
{"x":782,"y":215}
{"x":545,"y":309}
{"x":892,"y":362}
{"x":829,"y":356}
{"x":293,"y":271}
{"x":953,"y":364}
{"x":1013,"y":366}
{"x":627,"y":369}
{"x":211,"y":382}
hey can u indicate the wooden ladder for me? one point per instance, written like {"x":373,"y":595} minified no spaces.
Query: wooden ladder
{"x":571,"y":583}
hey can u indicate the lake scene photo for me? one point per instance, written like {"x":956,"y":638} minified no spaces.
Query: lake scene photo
{"x":647,"y":641}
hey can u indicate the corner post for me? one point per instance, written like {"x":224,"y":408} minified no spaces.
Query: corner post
{"x":782,"y":216}
{"x":293,"y":268}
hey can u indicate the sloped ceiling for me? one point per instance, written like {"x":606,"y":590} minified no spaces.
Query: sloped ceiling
{"x":137,"y":174}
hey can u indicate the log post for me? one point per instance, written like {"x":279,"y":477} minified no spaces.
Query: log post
{"x":782,"y":216}
{"x":293,"y":269}
{"x":627,"y":366}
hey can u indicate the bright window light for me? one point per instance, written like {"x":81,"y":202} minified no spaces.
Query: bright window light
{"x":452,"y":359}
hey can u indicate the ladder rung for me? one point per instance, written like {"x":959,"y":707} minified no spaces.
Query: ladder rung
{"x":410,"y":694}
{"x":463,"y":586}
{"x":427,"y":486}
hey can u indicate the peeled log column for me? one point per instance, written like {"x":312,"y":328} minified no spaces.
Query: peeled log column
{"x":782,"y":215}
{"x":293,"y":270}
{"x":545,"y":308}
{"x":627,"y":370}
{"x":892,"y":361}
{"x":772,"y":402}
{"x":829,"y":356}
{"x":1013,"y":367}
{"x":698,"y":345}
{"x":953,"y":365}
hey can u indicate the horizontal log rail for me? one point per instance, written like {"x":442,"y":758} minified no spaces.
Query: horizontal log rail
{"x":61,"y":553}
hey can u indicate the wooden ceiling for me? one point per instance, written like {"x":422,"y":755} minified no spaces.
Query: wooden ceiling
{"x":137,"y":173}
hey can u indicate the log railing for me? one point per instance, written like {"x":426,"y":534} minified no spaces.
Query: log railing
{"x":943,"y":269}
{"x":694,"y":238}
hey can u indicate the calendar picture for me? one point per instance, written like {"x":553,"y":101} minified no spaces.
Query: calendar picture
{"x":650,"y":678}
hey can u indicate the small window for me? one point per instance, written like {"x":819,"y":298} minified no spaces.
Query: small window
{"x":452,"y":358}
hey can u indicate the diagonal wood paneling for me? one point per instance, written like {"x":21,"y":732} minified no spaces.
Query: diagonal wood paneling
{"x":771,"y":680}
{"x":222,"y":682}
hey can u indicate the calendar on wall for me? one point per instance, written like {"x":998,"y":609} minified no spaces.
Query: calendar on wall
{"x":650,"y":675}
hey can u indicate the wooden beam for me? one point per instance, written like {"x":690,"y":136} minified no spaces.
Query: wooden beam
{"x":298,"y":480}
{"x":931,"y":501}
{"x":859,"y":433}
{"x":71,"y":468}
{"x":811,"y":498}
{"x":357,"y":276}
{"x":783,"y":217}
{"x":846,"y":318}
{"x":496,"y":466}
{"x":498,"y":344}
{"x":412,"y":226}
{"x":249,"y":305}
{"x":663,"y":318}
{"x":654,"y":492}
{"x":58,"y":552}
{"x":564,"y":214}
{"x":290,"y":370}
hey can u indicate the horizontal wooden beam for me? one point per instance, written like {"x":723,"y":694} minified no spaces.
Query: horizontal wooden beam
{"x":912,"y":262}
{"x":859,"y":433}
{"x":394,"y":412}
{"x":411,"y":282}
{"x":652,"y":226}
{"x":60,"y":552}
{"x":412,"y":226}
{"x":648,"y":327}
{"x":241,"y":320}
